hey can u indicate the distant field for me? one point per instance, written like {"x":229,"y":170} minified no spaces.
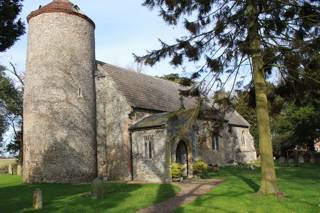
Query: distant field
{"x":4,"y":163}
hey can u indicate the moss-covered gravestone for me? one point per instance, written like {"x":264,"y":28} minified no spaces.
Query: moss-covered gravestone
{"x":282,"y":161}
{"x":291,"y":162}
{"x":301,"y":159}
{"x":312,"y":159}
{"x":37,"y":199}
{"x":98,"y":189}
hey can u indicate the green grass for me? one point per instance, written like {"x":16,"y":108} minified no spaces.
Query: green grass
{"x":120,"y":197}
{"x":301,"y":186}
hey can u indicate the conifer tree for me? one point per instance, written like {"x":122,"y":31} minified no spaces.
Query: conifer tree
{"x":11,"y":27}
{"x":225,"y":36}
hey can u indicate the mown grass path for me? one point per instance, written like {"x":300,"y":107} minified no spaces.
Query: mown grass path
{"x":189,"y":192}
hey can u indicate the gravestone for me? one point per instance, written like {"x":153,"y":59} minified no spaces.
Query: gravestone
{"x":312,"y":160}
{"x":291,"y":162}
{"x":10,"y":171}
{"x":98,"y":189}
{"x":282,"y":161}
{"x":37,"y":199}
{"x":300,"y":159}
{"x":19,"y":170}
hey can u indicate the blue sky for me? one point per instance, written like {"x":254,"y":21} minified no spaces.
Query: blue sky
{"x":121,"y":29}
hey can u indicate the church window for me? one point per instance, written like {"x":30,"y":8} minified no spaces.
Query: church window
{"x":80,"y":92}
{"x":243,"y":140}
{"x":148,"y":146}
{"x":215,"y":143}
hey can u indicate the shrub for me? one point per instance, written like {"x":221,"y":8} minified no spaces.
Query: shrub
{"x":177,"y":170}
{"x":200,"y":168}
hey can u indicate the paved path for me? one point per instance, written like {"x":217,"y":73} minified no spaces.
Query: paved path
{"x":190,"y":190}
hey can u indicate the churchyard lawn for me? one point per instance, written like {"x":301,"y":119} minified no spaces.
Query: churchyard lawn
{"x":301,"y":187}
{"x":119,"y":197}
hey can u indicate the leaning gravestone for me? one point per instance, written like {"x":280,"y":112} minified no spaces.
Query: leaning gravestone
{"x":10,"y":171}
{"x":37,"y":199}
{"x":291,"y":162}
{"x":97,"y":188}
{"x":282,"y":161}
{"x":300,"y":159}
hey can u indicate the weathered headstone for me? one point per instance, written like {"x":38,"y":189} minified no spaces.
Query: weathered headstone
{"x":19,"y":170}
{"x":282,"y":161}
{"x":300,"y":159}
{"x":252,"y":167}
{"x":291,"y":162}
{"x":37,"y":199}
{"x":10,"y":171}
{"x":312,"y":159}
{"x":98,"y":189}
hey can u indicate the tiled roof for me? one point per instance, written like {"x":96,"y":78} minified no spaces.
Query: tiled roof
{"x":63,"y":6}
{"x":146,"y":92}
{"x":235,"y":119}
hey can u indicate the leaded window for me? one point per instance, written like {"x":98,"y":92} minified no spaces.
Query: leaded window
{"x":215,"y":143}
{"x":148,"y":147}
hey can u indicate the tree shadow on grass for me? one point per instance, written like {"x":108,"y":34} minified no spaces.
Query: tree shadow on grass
{"x":164,"y":192}
{"x":65,"y":197}
{"x":251,"y":183}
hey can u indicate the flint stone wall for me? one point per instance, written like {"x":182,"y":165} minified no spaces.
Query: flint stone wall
{"x":156,"y":169}
{"x":59,"y":100}
{"x":112,"y":130}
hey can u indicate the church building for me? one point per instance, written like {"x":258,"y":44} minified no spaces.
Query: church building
{"x":84,"y":118}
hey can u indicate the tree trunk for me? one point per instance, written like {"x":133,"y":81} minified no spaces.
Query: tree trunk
{"x":268,"y":176}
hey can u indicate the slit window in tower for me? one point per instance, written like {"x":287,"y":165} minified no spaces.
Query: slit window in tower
{"x":80,"y":92}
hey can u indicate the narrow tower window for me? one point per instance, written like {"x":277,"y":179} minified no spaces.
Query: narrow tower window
{"x":80,"y":92}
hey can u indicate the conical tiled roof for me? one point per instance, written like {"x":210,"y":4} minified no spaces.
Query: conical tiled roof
{"x":63,"y":6}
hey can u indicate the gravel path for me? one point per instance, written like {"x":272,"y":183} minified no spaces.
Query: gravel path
{"x":190,"y":190}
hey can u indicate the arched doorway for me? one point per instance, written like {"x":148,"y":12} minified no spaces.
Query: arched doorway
{"x":182,"y":156}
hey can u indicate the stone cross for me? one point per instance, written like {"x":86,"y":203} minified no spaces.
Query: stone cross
{"x":37,"y":199}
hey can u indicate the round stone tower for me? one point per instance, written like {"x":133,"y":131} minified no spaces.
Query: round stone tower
{"x":59,"y":99}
